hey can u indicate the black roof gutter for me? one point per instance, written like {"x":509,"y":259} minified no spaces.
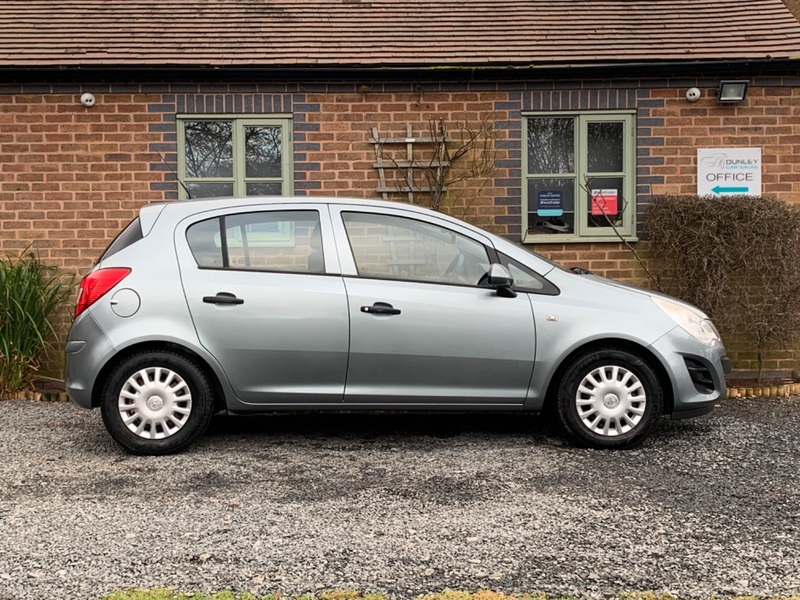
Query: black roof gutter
{"x":513,"y":72}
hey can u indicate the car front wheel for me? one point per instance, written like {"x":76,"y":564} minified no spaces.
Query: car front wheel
{"x":609,"y":398}
{"x":157,"y":402}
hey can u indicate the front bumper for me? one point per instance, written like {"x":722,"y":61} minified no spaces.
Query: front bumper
{"x":696,"y":372}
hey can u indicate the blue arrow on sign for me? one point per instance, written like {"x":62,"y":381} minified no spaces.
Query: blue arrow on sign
{"x":730,"y":190}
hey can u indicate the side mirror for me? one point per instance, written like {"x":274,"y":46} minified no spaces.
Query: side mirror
{"x":500,"y":279}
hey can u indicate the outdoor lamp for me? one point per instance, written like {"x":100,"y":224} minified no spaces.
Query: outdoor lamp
{"x":732,"y":91}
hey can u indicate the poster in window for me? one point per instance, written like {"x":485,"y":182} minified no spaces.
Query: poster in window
{"x":605,"y":202}
{"x":550,"y":204}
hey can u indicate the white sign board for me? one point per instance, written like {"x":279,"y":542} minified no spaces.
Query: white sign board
{"x":729,"y":171}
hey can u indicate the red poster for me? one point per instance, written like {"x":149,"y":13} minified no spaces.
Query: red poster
{"x":605,"y":202}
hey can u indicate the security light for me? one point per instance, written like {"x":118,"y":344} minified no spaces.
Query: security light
{"x":732,"y":91}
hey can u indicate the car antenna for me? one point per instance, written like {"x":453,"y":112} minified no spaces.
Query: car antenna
{"x":178,"y":179}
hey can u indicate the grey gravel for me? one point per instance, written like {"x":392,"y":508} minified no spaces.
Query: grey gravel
{"x":402,"y":504}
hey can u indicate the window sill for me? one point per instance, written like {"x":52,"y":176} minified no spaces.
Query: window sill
{"x":556,"y":238}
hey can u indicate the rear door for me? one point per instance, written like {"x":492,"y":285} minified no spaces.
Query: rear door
{"x":422,"y":328}
{"x":263,"y":304}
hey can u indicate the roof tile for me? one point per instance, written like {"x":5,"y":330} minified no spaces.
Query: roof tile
{"x":381,"y":33}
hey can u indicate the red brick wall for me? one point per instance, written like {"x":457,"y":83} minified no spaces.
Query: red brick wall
{"x":346,"y":154}
{"x":769,"y":118}
{"x":71,"y":177}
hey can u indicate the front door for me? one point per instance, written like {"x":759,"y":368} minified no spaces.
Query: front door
{"x":422,"y":329}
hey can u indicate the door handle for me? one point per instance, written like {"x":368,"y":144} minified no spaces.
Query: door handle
{"x":381,"y":308}
{"x":223,"y":298}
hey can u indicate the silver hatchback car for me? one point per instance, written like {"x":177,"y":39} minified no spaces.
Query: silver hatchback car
{"x":265,"y":304}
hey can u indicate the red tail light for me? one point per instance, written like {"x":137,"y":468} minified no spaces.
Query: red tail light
{"x":96,"y":284}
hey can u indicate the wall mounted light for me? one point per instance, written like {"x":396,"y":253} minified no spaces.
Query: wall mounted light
{"x":732,"y":91}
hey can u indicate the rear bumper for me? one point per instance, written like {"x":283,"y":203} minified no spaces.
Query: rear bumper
{"x":86,"y":349}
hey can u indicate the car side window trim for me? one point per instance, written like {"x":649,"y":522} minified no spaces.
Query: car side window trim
{"x":478,"y":285}
{"x":223,"y":242}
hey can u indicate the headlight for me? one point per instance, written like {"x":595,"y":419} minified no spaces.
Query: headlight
{"x":696,"y":323}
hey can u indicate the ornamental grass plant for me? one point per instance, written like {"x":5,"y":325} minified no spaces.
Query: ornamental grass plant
{"x":31,"y":296}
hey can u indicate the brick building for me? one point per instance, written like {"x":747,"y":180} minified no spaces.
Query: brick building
{"x":235,"y":97}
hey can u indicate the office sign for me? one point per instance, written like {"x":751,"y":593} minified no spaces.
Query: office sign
{"x":729,"y":171}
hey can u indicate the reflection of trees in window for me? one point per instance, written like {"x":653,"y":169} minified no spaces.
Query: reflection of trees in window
{"x":551,"y":145}
{"x":263,"y":151}
{"x":605,"y":147}
{"x":209,"y":148}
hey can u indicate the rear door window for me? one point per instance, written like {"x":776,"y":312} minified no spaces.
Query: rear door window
{"x":287,"y":241}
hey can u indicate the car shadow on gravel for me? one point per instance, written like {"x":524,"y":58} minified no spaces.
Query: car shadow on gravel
{"x":374,"y":426}
{"x":423,"y":430}
{"x":312,"y":456}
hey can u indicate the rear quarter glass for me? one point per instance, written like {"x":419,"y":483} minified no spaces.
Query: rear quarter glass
{"x":130,"y":235}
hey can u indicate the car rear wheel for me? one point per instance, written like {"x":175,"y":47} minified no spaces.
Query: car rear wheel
{"x":609,"y":398}
{"x":157,"y":402}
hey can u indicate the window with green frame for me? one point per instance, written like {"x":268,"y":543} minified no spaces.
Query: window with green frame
{"x":234,"y":156}
{"x":579,"y":171}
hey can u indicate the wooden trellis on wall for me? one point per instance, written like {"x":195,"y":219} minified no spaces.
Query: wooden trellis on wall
{"x":425,"y":157}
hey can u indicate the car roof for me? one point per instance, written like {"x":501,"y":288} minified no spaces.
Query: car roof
{"x":180,"y":209}
{"x":204,"y":204}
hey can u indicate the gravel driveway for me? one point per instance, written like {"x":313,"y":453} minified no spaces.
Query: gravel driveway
{"x":403,"y":505}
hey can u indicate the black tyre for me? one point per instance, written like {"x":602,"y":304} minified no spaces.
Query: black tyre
{"x":609,"y":398}
{"x":157,"y":403}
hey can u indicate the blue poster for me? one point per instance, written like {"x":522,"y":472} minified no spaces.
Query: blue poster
{"x":550,"y":204}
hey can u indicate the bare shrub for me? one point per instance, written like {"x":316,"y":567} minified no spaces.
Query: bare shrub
{"x":737,"y":258}
{"x":450,"y":167}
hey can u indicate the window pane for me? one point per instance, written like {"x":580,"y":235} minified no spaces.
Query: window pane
{"x":523,"y":278}
{"x":204,"y":242}
{"x":209,"y":190}
{"x":399,"y":248}
{"x":275,"y":241}
{"x":209,"y":149}
{"x":551,"y":145}
{"x":605,"y":144}
{"x":551,"y":206}
{"x":271,"y":188}
{"x":605,"y":202}
{"x":262,"y":151}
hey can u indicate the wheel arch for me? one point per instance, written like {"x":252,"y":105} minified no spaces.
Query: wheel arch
{"x":613,"y":344}
{"x":155,"y":346}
